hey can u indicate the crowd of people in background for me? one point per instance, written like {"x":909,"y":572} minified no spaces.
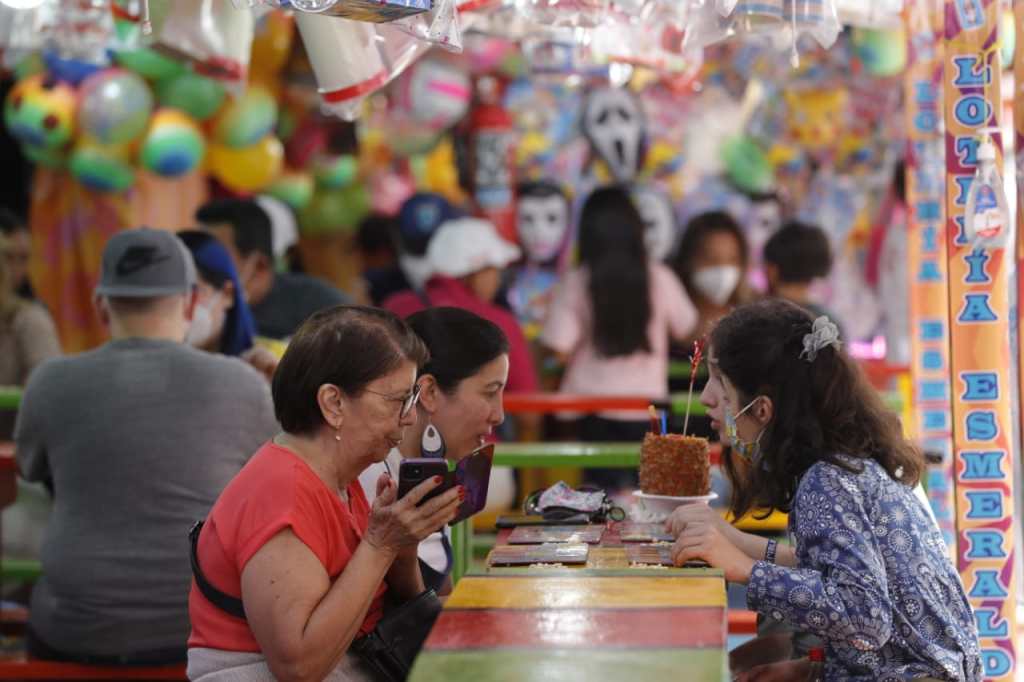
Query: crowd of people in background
{"x":179,"y":400}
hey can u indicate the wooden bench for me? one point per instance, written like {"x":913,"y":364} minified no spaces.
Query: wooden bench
{"x":21,"y":668}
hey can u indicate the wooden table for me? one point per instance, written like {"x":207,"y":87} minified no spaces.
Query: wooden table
{"x":605,"y":621}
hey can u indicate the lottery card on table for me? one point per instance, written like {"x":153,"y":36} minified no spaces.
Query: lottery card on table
{"x":644,"y":532}
{"x":536,"y":535}
{"x":559,"y":553}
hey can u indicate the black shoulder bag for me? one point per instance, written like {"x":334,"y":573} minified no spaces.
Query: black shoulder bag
{"x":389,"y":650}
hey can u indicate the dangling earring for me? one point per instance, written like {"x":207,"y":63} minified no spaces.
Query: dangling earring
{"x":432,"y":445}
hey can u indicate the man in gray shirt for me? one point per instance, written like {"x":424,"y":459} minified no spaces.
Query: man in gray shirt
{"x":137,"y":438}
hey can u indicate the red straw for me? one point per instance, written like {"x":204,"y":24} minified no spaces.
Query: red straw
{"x":654,"y":419}
{"x":698,"y":354}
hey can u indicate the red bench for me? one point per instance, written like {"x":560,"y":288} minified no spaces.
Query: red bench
{"x":742,"y":622}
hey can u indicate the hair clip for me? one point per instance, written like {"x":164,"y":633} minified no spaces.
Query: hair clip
{"x":824,"y":332}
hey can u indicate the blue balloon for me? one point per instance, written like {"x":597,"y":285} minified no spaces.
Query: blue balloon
{"x":71,"y":71}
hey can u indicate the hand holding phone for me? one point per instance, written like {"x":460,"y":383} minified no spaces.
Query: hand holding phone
{"x":473,"y":473}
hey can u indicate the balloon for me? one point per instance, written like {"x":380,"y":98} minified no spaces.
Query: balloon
{"x":335,"y":172}
{"x":248,"y":169}
{"x":883,"y":53}
{"x":246,"y":120}
{"x":69,"y":70}
{"x":173,"y":145}
{"x":101,"y":168}
{"x":1007,"y":38}
{"x":435,"y":91}
{"x":271,"y":45}
{"x":747,"y":166}
{"x":294,"y":188}
{"x":115,"y":106}
{"x":334,"y":211}
{"x":198,"y":96}
{"x":29,"y":65}
{"x":149,"y":63}
{"x":49,"y":158}
{"x":40,"y":112}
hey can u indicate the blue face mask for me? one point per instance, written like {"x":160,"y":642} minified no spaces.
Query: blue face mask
{"x":749,"y":451}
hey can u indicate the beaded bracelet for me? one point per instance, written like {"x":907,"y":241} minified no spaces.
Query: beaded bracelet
{"x":770,"y":550}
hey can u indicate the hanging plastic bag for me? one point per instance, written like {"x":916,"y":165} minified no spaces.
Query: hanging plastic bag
{"x":706,"y":26}
{"x":373,"y":11}
{"x":212,"y":35}
{"x":440,"y":26}
{"x":346,"y":60}
{"x":816,"y":18}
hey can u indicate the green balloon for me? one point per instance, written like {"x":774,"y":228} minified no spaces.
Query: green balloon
{"x":29,"y":65}
{"x":294,"y":189}
{"x":48,"y":158}
{"x":335,"y":211}
{"x":198,"y":96}
{"x":336,"y":172}
{"x":149,"y":63}
{"x":747,"y":166}
{"x":1007,"y":38}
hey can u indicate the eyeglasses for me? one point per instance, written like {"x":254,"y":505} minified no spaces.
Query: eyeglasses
{"x":408,"y":402}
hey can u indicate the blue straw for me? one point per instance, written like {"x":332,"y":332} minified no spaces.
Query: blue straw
{"x":664,"y":423}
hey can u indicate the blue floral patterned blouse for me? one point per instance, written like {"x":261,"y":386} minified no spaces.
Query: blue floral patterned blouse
{"x":874,"y":581}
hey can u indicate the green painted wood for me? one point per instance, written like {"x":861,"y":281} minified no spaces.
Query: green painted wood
{"x":462,"y":549}
{"x":584,"y":455}
{"x":10,"y":397}
{"x":571,"y":665}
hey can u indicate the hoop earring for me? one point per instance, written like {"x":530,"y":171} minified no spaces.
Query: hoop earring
{"x":432,"y":444}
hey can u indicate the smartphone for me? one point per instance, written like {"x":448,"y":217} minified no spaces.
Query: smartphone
{"x":473,"y":473}
{"x":412,"y":472}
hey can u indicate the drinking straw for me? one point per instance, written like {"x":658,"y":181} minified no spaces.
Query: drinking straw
{"x":664,"y":422}
{"x":654,"y":418}
{"x":698,"y":354}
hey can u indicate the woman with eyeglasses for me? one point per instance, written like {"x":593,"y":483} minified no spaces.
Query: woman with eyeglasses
{"x":459,"y":405}
{"x":292,"y":565}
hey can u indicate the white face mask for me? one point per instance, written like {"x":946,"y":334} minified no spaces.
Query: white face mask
{"x":718,"y":282}
{"x":201,"y":329}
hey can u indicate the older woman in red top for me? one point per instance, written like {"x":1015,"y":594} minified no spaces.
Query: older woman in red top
{"x":293,"y":536}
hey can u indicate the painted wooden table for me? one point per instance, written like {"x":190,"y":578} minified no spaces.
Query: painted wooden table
{"x":603,"y":621}
{"x":585,"y":625}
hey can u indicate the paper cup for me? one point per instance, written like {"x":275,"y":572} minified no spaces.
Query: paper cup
{"x":345,"y":57}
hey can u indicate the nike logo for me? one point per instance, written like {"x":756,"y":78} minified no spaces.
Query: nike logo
{"x":138,"y":257}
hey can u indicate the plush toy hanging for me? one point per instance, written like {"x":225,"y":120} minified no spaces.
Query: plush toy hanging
{"x":615,"y":127}
{"x":491,"y":159}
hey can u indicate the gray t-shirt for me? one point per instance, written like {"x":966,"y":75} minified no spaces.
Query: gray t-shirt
{"x":139,"y":438}
{"x":293,"y":298}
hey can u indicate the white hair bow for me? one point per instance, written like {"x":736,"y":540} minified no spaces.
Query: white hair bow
{"x":824,"y":333}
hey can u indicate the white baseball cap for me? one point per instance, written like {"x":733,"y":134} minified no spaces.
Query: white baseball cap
{"x":467,"y":245}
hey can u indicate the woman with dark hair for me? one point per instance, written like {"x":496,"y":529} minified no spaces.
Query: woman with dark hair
{"x":299,"y":560}
{"x":460,"y":405}
{"x":611,"y":319}
{"x":222,"y":321}
{"x":711,"y":262}
{"x":869,"y":572}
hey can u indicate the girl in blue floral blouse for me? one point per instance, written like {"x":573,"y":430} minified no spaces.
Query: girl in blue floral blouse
{"x":869,"y":572}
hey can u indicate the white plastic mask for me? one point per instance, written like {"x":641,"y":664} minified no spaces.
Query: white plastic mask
{"x":542,"y":224}
{"x":614,"y":124}
{"x":659,"y":222}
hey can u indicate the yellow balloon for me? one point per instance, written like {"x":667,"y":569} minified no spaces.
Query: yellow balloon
{"x":247,"y":169}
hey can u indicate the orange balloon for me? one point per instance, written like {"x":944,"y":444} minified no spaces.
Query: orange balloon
{"x":271,"y":45}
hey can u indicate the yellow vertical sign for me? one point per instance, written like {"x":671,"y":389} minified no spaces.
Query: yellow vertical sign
{"x":980,"y":352}
{"x":928,"y":266}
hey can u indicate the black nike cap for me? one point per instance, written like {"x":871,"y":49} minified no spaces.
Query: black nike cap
{"x":146,"y":263}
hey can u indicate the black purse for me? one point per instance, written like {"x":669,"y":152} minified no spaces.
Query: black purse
{"x":389,"y":651}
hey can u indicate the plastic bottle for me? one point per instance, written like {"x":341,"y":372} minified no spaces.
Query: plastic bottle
{"x":987,"y":218}
{"x":817,"y":671}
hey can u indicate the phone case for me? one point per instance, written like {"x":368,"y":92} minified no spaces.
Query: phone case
{"x":472,"y":472}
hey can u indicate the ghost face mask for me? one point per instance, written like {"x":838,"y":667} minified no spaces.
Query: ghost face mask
{"x":614,"y":125}
{"x":659,"y":222}
{"x":542,"y":223}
